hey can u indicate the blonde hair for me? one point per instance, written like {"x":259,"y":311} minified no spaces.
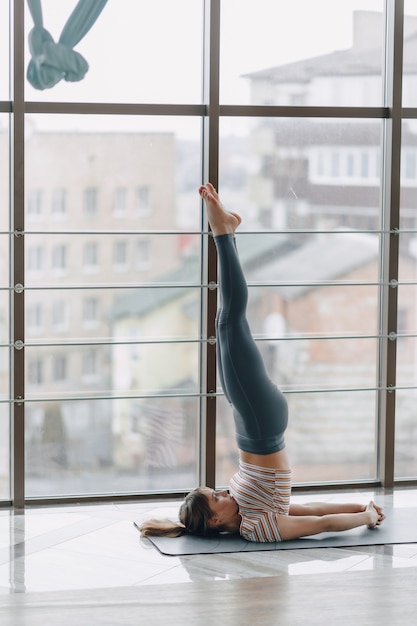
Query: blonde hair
{"x":194,"y":516}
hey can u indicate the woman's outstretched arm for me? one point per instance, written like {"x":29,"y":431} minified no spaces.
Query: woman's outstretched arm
{"x":295,"y":526}
{"x":327,"y":508}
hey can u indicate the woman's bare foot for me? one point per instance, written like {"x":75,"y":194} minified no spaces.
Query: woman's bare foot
{"x":222,"y":222}
{"x":377,"y":516}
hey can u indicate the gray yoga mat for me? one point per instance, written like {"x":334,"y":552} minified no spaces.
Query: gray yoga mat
{"x":400,"y":526}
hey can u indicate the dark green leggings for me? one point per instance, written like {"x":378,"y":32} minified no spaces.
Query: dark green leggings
{"x":259,"y":408}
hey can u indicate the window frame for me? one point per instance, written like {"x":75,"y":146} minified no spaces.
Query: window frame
{"x":211,"y":111}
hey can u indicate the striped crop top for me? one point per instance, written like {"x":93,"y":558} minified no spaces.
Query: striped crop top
{"x":261,"y":493}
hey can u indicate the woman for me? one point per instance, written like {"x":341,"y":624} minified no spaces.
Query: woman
{"x":257,"y":505}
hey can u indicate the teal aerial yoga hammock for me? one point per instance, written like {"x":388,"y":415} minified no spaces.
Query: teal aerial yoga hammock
{"x":52,"y":61}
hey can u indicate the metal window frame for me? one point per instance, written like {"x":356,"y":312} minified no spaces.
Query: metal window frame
{"x":211,"y":111}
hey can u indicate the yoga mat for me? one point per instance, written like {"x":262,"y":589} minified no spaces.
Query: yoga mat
{"x":400,"y":526}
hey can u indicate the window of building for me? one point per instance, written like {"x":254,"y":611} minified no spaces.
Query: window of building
{"x":35,"y":259}
{"x":35,"y":318}
{"x":142,"y":200}
{"x":60,"y":315}
{"x":60,"y":259}
{"x":120,"y":256}
{"x":35,"y":372}
{"x":350,"y":164}
{"x":335,"y":164}
{"x":365,"y":165}
{"x":320,"y":164}
{"x":90,"y":312}
{"x":120,"y":201}
{"x":35,"y":204}
{"x":59,"y":203}
{"x":90,"y":201}
{"x":59,"y":368}
{"x":90,"y":257}
{"x":410,"y":169}
{"x":90,"y":366}
{"x":143,"y":254}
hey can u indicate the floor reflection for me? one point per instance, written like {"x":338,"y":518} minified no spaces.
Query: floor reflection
{"x":92,"y":547}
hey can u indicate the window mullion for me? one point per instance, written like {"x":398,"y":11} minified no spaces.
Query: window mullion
{"x":17,"y":245}
{"x":390,"y":248}
{"x":210,"y":172}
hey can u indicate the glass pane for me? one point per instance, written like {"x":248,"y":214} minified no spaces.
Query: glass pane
{"x":302,"y":53}
{"x":308,"y":192}
{"x":4,"y":308}
{"x":99,"y":173}
{"x":124,"y":258}
{"x":123,"y":368}
{"x":4,"y":414}
{"x":147,"y":445}
{"x":406,"y":466}
{"x":330,"y":437}
{"x":4,"y":181}
{"x":406,"y":428}
{"x":302,"y":173}
{"x":406,"y":395}
{"x":137,"y":51}
{"x":410,"y":50}
{"x":113,"y":294}
{"x":4,"y":51}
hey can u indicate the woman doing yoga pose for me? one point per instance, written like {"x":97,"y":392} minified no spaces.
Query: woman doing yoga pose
{"x":257,"y":503}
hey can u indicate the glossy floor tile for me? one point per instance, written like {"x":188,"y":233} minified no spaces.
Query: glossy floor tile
{"x":50,"y":555}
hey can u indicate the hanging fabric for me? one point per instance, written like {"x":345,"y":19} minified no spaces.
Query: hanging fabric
{"x":52,"y":62}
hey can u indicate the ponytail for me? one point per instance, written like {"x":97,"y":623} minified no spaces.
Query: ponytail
{"x":162,"y":528}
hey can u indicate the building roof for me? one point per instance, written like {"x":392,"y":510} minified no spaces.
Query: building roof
{"x":350,"y":62}
{"x":266,"y":258}
{"x":323,"y":258}
{"x":253,"y":250}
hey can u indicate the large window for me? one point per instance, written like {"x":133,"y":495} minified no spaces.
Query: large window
{"x":303,"y":114}
{"x":310,"y":241}
{"x":119,"y":351}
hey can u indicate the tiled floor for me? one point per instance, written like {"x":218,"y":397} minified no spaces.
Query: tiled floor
{"x":49,"y":552}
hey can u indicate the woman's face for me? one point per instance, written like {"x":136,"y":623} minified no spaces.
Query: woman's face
{"x":222,"y":505}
